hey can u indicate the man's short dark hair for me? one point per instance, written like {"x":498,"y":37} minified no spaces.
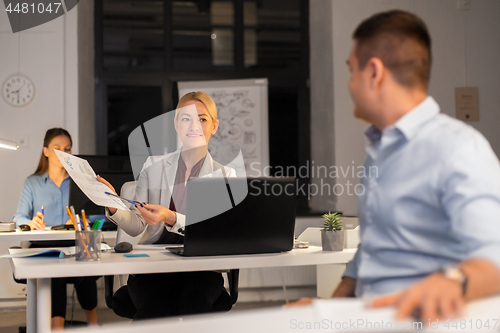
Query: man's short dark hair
{"x":401,"y":40}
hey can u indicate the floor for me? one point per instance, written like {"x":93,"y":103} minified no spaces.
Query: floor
{"x":11,"y":319}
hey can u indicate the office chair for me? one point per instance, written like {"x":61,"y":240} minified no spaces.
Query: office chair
{"x":120,"y":301}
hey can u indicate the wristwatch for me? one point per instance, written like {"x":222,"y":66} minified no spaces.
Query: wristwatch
{"x":455,"y":273}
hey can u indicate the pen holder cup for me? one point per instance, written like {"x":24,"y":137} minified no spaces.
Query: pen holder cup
{"x":88,"y":245}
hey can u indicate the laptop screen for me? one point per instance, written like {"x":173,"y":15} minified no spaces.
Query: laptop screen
{"x":262,"y":219}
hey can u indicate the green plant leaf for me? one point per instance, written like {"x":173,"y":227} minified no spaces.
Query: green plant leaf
{"x":332,"y":222}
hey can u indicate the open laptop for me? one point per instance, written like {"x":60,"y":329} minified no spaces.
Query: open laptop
{"x":242,"y":216}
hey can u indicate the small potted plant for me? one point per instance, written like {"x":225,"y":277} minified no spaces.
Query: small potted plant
{"x":332,"y":234}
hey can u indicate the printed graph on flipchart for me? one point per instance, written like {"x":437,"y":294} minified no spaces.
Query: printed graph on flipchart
{"x":239,"y":124}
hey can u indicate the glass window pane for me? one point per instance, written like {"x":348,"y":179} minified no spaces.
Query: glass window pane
{"x":272,"y":33}
{"x":203,"y":35}
{"x":222,"y":47}
{"x":133,"y":35}
{"x":222,"y":13}
{"x":129,"y":107}
{"x":250,"y":47}
{"x":250,"y":14}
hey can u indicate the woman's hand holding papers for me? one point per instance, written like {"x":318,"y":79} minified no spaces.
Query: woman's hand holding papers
{"x":105,"y":182}
{"x":154,"y":214}
{"x":37,"y":222}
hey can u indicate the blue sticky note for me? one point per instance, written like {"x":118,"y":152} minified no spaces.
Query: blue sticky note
{"x":136,"y":255}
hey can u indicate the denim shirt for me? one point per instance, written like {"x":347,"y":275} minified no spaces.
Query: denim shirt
{"x":38,"y":191}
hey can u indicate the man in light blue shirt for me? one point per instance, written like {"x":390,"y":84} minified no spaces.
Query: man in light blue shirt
{"x":430,"y":221}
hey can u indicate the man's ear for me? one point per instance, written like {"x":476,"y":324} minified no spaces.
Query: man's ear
{"x":377,"y":72}
{"x":216,"y":127}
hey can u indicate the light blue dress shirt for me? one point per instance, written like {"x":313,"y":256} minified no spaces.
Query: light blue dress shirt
{"x":434,"y":201}
{"x":41,"y":190}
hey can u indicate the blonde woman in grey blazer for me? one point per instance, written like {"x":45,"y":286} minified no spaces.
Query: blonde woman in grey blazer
{"x":161,"y":186}
{"x":155,"y":187}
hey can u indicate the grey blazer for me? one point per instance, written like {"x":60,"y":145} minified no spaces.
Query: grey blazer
{"x":155,"y":186}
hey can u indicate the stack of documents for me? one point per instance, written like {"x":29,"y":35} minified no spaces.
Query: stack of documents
{"x":48,"y":253}
{"x":7,"y":226}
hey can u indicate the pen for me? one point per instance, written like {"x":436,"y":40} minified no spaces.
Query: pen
{"x":96,"y":225}
{"x":101,"y":222}
{"x":73,"y":213}
{"x":85,"y":223}
{"x":76,"y":229}
{"x":130,"y":201}
{"x":42,"y":213}
{"x":81,"y":238}
{"x":79,"y":226}
{"x":71,"y":217}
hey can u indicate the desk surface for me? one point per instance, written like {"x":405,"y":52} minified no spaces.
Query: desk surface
{"x":47,"y":234}
{"x":162,"y":261}
{"x":333,"y":315}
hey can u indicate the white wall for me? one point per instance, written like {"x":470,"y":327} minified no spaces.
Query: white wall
{"x":466,"y":49}
{"x":322,"y":117}
{"x":48,"y":55}
{"x":86,"y":81}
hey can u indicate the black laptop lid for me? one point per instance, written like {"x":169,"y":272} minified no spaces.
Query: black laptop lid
{"x":263,"y":221}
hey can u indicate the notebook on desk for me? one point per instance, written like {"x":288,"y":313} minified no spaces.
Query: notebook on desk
{"x":262,"y":219}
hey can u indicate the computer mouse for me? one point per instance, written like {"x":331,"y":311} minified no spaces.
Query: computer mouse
{"x":123,"y":247}
{"x":24,"y":227}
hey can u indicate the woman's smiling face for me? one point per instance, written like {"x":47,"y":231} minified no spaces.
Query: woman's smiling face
{"x":195,"y":125}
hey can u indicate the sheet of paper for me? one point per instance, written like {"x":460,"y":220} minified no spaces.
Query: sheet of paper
{"x":351,"y":314}
{"x":84,"y":176}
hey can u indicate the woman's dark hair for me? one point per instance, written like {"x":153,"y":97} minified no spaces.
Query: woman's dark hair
{"x":43,"y":164}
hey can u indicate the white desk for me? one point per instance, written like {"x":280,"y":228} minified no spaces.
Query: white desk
{"x":13,"y":294}
{"x":333,"y":315}
{"x":38,"y":271}
{"x":38,"y":235}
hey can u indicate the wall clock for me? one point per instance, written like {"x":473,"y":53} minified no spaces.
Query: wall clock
{"x":18,"y":90}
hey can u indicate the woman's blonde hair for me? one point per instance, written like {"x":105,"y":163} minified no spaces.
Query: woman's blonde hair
{"x":201,"y":97}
